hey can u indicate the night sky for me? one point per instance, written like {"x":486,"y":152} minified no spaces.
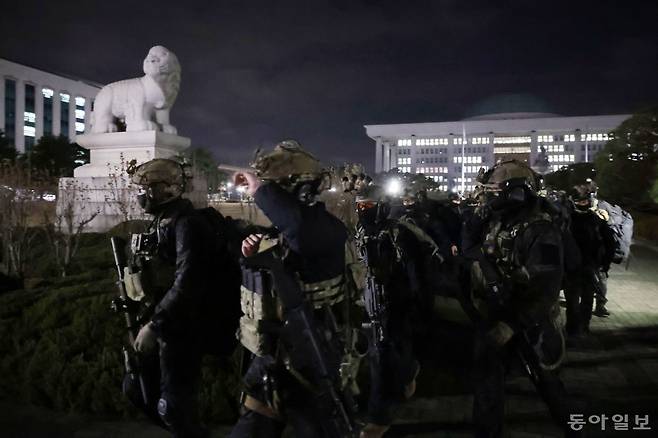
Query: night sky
{"x":255,"y":71}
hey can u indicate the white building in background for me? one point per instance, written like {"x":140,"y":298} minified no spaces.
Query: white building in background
{"x":443,"y":150}
{"x":34,"y":103}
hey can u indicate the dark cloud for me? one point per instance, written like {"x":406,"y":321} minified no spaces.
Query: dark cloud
{"x":259,"y":71}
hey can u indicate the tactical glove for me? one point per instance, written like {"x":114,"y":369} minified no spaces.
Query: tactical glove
{"x":500,"y":334}
{"x":146,"y":339}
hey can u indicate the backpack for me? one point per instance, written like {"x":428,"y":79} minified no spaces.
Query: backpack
{"x":223,"y":310}
{"x":229,"y":232}
{"x":621,"y":224}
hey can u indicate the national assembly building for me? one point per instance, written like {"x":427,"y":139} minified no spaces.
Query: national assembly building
{"x":34,"y":103}
{"x":446,"y":151}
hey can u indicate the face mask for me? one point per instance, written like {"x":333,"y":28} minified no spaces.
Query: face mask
{"x":509,"y":199}
{"x":516,"y":195}
{"x":306,"y":193}
{"x":147,"y":200}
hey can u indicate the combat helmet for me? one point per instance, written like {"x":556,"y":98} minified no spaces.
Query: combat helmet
{"x":508,"y":174}
{"x":583,"y":197}
{"x":162,"y":180}
{"x":294,"y":169}
{"x":287,"y":163}
{"x":509,"y":184}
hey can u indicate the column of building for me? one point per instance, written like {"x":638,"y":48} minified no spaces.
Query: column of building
{"x":57,"y":113}
{"x":378,"y":155}
{"x":2,"y":105}
{"x":491,"y":157}
{"x":20,"y":116}
{"x":38,"y":110}
{"x":87,"y":114}
{"x":72,"y":118}
{"x":393,"y":151}
{"x":534,"y":144}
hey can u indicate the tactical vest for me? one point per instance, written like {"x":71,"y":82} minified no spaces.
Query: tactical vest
{"x":499,"y":242}
{"x":262,"y":309}
{"x":148,"y":275}
{"x":263,"y":313}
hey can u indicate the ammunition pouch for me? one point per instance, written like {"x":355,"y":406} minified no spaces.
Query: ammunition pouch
{"x":133,"y":284}
{"x":325,"y":293}
{"x":261,"y":310}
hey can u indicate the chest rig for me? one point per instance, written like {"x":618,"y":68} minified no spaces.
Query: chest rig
{"x":151,"y":270}
{"x":262,"y":310}
{"x":502,"y":247}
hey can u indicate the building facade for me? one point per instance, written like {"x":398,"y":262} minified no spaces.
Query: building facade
{"x":34,"y":103}
{"x":452,"y":153}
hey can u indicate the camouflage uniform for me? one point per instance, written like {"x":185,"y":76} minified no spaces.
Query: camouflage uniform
{"x":517,"y":262}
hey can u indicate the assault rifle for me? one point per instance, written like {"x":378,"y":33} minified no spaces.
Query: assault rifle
{"x":123,"y":304}
{"x":524,"y":347}
{"x":311,"y":354}
{"x":374,"y":296}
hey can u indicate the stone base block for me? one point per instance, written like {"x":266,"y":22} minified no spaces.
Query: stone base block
{"x":108,"y":152}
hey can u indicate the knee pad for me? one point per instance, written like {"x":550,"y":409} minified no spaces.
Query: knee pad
{"x":164,"y":411}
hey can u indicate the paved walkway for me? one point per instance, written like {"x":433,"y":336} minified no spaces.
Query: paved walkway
{"x":614,"y":371}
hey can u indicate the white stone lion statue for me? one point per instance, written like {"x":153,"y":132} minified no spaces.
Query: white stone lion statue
{"x":143,"y":103}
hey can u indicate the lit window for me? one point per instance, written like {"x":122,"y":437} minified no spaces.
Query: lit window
{"x":512,"y":150}
{"x":480,"y":140}
{"x":29,"y":117}
{"x":79,"y":101}
{"x":512,"y":140}
{"x":64,"y":97}
{"x":80,"y":114}
{"x":47,"y":93}
{"x":79,"y":127}
{"x":29,"y":131}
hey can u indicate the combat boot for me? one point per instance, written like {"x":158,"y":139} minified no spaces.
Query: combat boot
{"x":601,"y":311}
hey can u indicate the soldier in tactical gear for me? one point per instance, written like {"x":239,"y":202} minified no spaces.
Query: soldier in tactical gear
{"x":516,"y":257}
{"x":284,"y":184}
{"x":401,"y":261}
{"x":596,"y":243}
{"x":451,"y":216}
{"x":423,"y":212}
{"x":175,"y":265}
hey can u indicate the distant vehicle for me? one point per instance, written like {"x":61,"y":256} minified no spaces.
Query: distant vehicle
{"x":50,"y":197}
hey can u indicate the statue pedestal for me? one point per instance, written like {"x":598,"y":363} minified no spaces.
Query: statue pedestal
{"x":103,"y":185}
{"x":107,"y":151}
